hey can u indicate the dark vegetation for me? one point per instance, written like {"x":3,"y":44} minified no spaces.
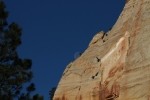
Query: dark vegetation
{"x":14,"y":71}
{"x":51,"y":93}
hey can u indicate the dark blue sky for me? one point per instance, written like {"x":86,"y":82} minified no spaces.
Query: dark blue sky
{"x":54,"y":30}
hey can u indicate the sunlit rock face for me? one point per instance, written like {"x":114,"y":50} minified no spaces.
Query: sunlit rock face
{"x":116,"y":65}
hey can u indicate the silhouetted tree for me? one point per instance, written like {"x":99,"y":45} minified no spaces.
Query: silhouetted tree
{"x":14,"y":71}
{"x":52,"y":92}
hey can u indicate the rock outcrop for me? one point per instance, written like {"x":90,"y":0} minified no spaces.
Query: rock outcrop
{"x":116,"y":65}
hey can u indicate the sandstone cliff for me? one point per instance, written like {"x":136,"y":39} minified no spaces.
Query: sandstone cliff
{"x":116,"y":65}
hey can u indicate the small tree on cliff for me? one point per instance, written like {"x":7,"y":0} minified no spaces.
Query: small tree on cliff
{"x":14,"y":71}
{"x":52,"y":92}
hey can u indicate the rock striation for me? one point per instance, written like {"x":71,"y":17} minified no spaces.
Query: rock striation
{"x":116,"y":65}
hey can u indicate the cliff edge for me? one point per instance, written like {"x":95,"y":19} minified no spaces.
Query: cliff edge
{"x":116,"y":65}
